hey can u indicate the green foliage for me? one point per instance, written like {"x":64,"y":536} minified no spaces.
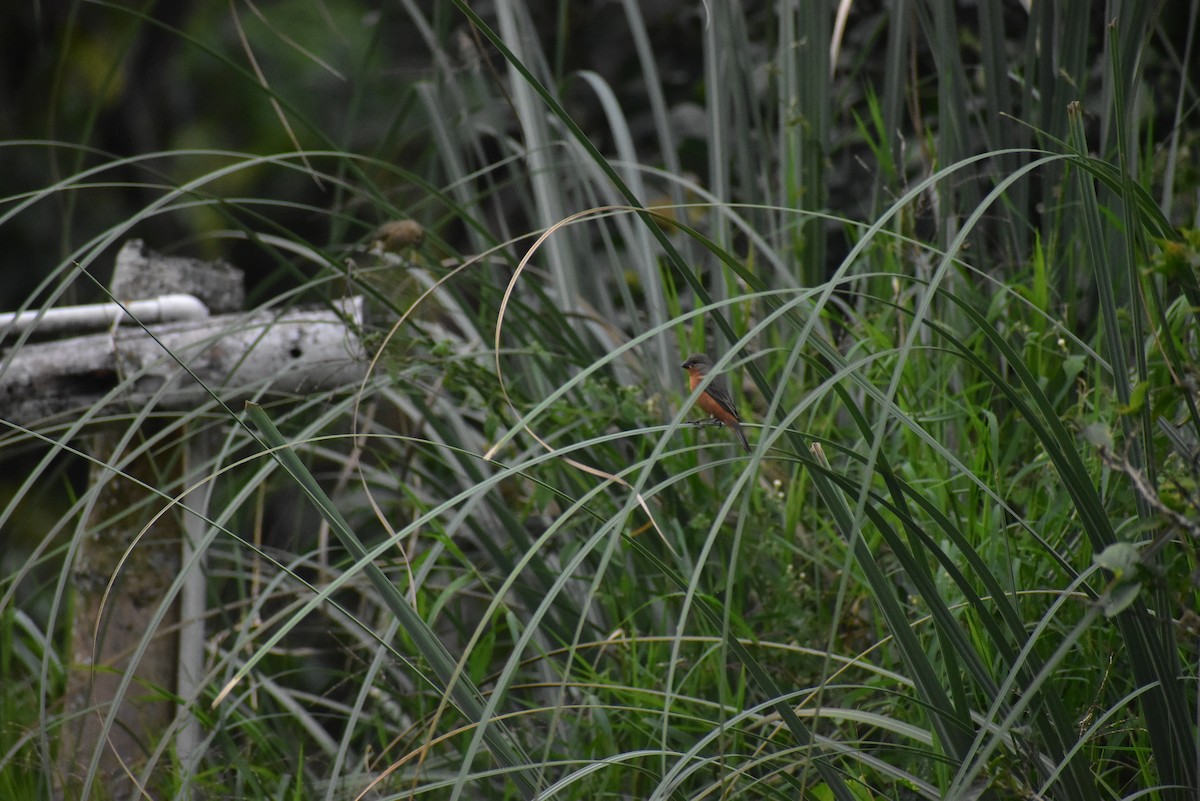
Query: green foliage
{"x":960,"y":326}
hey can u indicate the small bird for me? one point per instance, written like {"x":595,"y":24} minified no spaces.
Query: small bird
{"x":396,"y":235}
{"x":715,"y":399}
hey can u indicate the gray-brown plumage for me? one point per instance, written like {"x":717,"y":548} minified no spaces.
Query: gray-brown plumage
{"x":716,"y":399}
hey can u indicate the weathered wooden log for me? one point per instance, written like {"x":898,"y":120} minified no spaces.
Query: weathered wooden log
{"x":233,"y":355}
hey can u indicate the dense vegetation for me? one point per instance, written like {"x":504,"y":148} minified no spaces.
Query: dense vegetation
{"x":944,"y":251}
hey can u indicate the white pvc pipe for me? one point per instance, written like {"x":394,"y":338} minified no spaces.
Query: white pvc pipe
{"x":98,"y":316}
{"x":286,"y":352}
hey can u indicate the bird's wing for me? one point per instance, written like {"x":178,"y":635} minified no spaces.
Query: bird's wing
{"x":719,"y":391}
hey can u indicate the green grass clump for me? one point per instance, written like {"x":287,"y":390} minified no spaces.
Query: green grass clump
{"x":941,"y":253}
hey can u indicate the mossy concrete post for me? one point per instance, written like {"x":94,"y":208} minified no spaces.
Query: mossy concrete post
{"x":125,"y":663}
{"x":123,"y":567}
{"x":136,"y":673}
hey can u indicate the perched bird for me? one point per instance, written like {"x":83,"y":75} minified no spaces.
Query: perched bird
{"x":396,"y":235}
{"x":715,"y":399}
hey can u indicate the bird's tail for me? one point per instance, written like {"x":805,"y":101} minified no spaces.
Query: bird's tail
{"x":737,"y":429}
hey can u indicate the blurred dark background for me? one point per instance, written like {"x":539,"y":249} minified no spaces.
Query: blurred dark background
{"x":87,"y":84}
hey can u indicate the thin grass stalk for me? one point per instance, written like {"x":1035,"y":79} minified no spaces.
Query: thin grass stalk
{"x":1001,"y":132}
{"x":936,"y":698}
{"x":953,"y":117}
{"x":639,"y":250}
{"x":1141,"y":447}
{"x":806,"y":30}
{"x":1127,"y":27}
{"x":762,"y":678}
{"x":718,"y":77}
{"x":1153,"y":663}
{"x":1183,"y":67}
{"x":1174,"y":352}
{"x":752,"y":173}
{"x":681,"y":268}
{"x":948,"y":718}
{"x":473,"y":474}
{"x":504,"y":747}
{"x":1056,"y":63}
{"x":948,"y":624}
{"x":453,"y":140}
{"x":802,"y":734}
{"x":550,"y":198}
{"x":668,"y":144}
{"x":891,"y":98}
{"x":788,"y":136}
{"x":1150,"y":644}
{"x":735,"y":495}
{"x":1056,"y":727}
{"x":988,"y":740}
{"x":603,"y":537}
{"x":1140,"y":439}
